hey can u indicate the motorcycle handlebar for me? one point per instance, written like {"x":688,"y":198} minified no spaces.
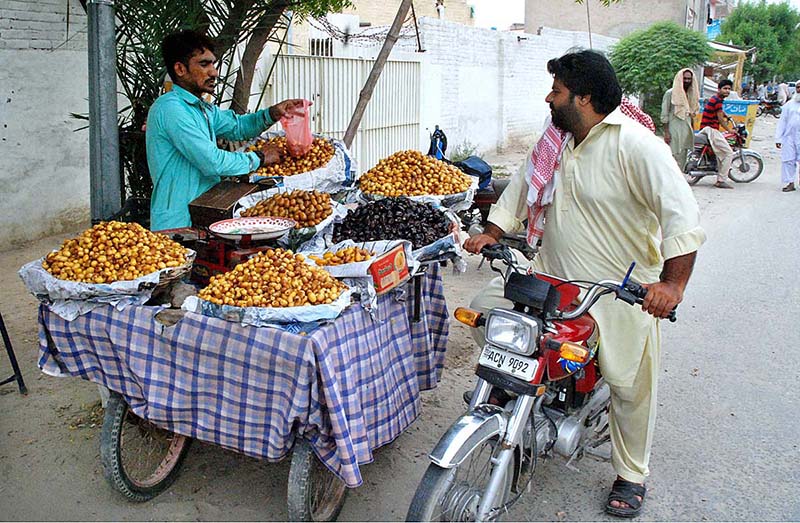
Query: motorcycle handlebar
{"x":631,"y":292}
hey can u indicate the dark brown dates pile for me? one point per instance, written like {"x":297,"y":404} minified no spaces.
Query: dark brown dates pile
{"x":393,"y":219}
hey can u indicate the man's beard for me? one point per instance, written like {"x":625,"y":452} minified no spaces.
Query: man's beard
{"x":566,"y":117}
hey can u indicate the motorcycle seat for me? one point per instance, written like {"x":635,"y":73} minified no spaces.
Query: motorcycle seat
{"x":700,"y":139}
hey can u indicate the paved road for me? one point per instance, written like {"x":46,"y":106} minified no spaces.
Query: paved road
{"x":727,"y":437}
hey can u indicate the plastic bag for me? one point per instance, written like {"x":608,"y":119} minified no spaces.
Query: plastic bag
{"x":298,"y":132}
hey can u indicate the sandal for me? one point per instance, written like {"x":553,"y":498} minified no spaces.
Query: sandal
{"x":625,"y":491}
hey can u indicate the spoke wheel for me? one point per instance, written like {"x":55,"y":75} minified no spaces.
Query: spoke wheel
{"x":314,"y":493}
{"x":455,"y":494}
{"x":747,"y":168}
{"x":139,"y":459}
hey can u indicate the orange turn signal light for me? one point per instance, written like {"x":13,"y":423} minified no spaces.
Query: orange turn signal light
{"x":574,"y":352}
{"x":468,"y":317}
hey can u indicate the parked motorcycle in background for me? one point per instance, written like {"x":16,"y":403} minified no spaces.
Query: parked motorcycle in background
{"x":540,"y":355}
{"x":747,"y":164}
{"x":771,"y":107}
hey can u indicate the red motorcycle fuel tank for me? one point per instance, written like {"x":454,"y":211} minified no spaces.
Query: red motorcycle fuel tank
{"x":581,"y":330}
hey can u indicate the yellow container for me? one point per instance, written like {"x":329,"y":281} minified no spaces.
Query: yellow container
{"x":740,"y":111}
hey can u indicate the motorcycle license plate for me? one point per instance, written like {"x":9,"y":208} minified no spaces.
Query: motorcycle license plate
{"x":508,"y":363}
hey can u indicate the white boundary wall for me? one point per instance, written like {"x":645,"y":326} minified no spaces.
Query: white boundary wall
{"x":44,"y":161}
{"x":488,"y":87}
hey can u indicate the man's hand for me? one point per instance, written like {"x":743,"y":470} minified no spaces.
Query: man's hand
{"x":665,"y":295}
{"x":474,"y":244}
{"x":270,"y":155}
{"x":292,"y":107}
{"x":667,"y":137}
{"x":661,"y":298}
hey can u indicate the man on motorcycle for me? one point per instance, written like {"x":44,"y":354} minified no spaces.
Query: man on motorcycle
{"x":714,"y":118}
{"x":787,"y":139}
{"x":615,"y":186}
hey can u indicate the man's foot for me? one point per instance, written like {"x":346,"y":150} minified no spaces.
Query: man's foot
{"x":625,"y":499}
{"x":789,"y":187}
{"x":723,"y":185}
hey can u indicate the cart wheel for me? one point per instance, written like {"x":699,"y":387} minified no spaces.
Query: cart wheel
{"x":314,"y":493}
{"x":139,"y":459}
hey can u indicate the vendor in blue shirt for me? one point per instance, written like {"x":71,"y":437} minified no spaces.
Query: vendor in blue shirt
{"x":182,"y":131}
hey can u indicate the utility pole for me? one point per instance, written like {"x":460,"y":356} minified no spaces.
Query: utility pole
{"x":375,"y":73}
{"x":104,"y":179}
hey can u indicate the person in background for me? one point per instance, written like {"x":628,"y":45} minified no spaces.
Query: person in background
{"x":762,"y":90}
{"x":787,"y":139}
{"x":783,"y":93}
{"x":714,"y":118}
{"x":600,"y":189}
{"x":182,"y":130}
{"x":678,"y":106}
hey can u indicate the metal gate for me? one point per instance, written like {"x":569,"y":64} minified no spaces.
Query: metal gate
{"x":392,"y":119}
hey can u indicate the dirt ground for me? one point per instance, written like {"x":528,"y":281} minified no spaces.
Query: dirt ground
{"x":49,"y":439}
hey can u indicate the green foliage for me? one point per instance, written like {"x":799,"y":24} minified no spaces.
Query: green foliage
{"x":463,"y":151}
{"x":646,"y":61}
{"x":771,"y":29}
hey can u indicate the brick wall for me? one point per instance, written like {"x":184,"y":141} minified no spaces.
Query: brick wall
{"x":42,"y":24}
{"x":617,"y":20}
{"x":379,"y":12}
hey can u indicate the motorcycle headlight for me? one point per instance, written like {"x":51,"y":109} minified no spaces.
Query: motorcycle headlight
{"x":512,"y":331}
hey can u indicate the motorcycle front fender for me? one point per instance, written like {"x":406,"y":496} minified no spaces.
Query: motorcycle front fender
{"x":467,"y":433}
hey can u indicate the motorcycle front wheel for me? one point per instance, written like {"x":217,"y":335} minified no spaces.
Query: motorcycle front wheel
{"x":455,"y":494}
{"x":746,"y":167}
{"x":759,"y":111}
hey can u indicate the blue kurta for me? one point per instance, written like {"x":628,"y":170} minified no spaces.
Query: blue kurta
{"x":183,"y":156}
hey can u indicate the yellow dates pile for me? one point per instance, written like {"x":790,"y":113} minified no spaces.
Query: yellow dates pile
{"x":342,"y":256}
{"x":273,"y":278}
{"x":307,"y":208}
{"x":320,"y":154}
{"x":411,"y":173}
{"x":114,"y":251}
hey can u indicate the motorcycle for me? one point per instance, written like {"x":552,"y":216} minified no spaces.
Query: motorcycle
{"x":771,"y":107}
{"x":747,"y":164}
{"x":541,"y":356}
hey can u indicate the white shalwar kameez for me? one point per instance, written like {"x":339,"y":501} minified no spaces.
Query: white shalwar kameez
{"x":788,"y":135}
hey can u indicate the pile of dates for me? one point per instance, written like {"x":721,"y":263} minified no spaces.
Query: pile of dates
{"x":394,"y":219}
{"x":320,"y":154}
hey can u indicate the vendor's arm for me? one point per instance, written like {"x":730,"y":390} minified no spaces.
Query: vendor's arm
{"x":232,"y":126}
{"x":193,"y":143}
{"x":659,"y":185}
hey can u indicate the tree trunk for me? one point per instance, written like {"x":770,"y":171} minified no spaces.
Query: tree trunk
{"x":252,"y":52}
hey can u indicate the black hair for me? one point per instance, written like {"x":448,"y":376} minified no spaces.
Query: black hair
{"x":723,"y":83}
{"x":181,"y":46}
{"x":588,"y":72}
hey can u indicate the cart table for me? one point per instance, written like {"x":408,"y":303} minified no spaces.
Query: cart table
{"x":348,"y":386}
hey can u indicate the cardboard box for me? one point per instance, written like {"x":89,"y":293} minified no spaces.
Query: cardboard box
{"x":389,"y":270}
{"x":217,"y":203}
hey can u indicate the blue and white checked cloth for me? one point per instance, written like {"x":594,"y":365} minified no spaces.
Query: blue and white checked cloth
{"x":348,"y":387}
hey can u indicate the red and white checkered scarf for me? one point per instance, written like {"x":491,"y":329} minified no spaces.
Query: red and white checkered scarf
{"x":542,"y":167}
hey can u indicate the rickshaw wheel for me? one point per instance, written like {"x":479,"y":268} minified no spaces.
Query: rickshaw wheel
{"x":140,"y":460}
{"x":314,"y":493}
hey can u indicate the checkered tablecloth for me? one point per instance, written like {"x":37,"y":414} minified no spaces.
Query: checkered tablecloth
{"x":348,"y":387}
